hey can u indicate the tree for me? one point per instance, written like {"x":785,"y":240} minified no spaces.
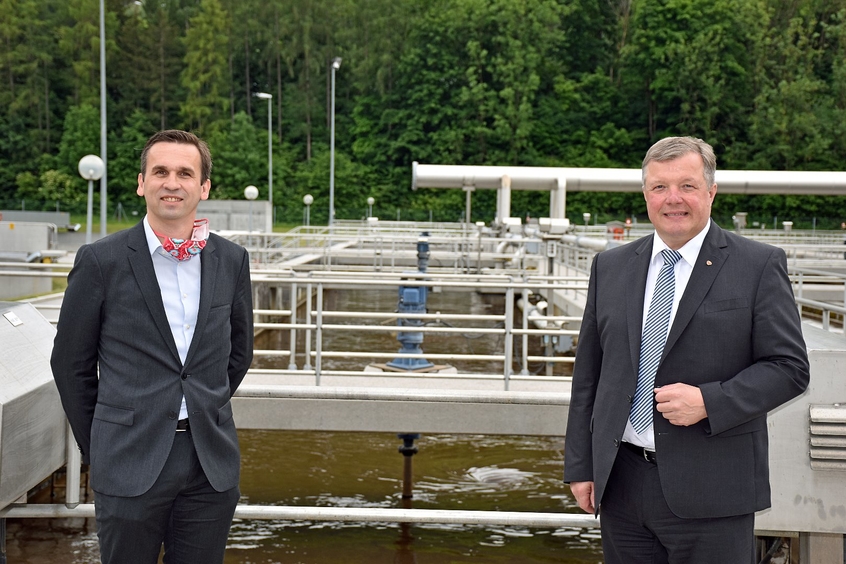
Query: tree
{"x":204,"y":75}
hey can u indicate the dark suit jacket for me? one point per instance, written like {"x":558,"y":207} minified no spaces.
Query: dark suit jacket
{"x":113,"y":318}
{"x":737,"y":335}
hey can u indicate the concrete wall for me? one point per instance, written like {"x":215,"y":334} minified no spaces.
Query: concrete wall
{"x":17,"y":240}
{"x":234,"y":215}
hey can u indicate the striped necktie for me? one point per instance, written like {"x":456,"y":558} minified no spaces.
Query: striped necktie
{"x":652,"y":341}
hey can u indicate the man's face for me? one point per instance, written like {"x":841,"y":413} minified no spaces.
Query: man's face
{"x":171,"y":184}
{"x":677,"y":198}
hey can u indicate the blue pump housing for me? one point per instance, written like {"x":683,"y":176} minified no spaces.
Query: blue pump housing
{"x":412,"y":299}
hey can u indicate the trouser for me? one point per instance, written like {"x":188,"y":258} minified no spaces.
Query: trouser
{"x":639,"y":528}
{"x":181,"y":511}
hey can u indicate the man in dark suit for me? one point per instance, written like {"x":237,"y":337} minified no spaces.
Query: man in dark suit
{"x":667,"y":431}
{"x":163,"y":312}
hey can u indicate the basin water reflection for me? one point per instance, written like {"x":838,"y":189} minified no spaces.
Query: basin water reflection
{"x":365,"y":470}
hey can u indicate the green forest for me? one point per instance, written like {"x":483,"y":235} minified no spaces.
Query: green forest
{"x":578,"y":83}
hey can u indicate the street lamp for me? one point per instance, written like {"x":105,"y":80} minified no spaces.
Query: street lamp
{"x":269,"y":97}
{"x":336,"y":64}
{"x":370,"y":202}
{"x":308,"y":200}
{"x":251,"y":193}
{"x":91,"y":168}
{"x":586,"y":217}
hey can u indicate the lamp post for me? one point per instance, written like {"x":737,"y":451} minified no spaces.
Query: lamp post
{"x":91,"y":168}
{"x":336,"y":64}
{"x":251,"y":193}
{"x":269,"y":98}
{"x":308,"y":200}
{"x":586,"y":217}
{"x":370,"y":202}
{"x":103,"y":142}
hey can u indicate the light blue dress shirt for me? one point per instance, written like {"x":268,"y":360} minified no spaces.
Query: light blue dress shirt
{"x":179,"y":282}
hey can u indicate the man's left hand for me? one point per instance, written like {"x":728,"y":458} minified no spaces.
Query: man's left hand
{"x":681,"y":404}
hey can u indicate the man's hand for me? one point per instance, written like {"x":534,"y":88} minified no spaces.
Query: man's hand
{"x":583,"y":492}
{"x":681,"y":404}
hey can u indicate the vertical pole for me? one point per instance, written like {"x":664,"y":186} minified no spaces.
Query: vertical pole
{"x":89,"y":211}
{"x":332,"y":156}
{"x":407,"y":450}
{"x":103,"y":118}
{"x":270,"y":159}
{"x":525,"y":355}
{"x":318,"y":361}
{"x":74,"y":459}
{"x":509,"y":336}
{"x":307,"y":351}
{"x":292,"y":364}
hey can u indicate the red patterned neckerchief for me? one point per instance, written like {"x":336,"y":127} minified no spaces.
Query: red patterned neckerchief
{"x":184,"y":249}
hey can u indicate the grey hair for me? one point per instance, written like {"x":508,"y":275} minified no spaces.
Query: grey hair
{"x":671,"y":148}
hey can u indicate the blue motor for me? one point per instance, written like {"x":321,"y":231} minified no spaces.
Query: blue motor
{"x":412,"y":299}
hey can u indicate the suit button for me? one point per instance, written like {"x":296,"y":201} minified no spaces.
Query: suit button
{"x":616,"y":443}
{"x":630,"y":398}
{"x":184,"y":376}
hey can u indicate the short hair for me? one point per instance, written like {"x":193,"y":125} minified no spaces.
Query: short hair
{"x":671,"y":148}
{"x":185,"y":138}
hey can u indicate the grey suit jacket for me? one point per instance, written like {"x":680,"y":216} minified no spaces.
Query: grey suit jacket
{"x":737,"y":335}
{"x":113,"y":319}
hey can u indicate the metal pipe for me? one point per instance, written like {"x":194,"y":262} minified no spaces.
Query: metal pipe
{"x":404,"y":395}
{"x":72,"y":470}
{"x":349,"y":514}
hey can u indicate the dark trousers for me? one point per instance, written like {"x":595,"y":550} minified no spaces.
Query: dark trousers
{"x":181,"y":511}
{"x":639,"y":528}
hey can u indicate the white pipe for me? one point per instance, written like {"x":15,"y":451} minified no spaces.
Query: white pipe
{"x":825,"y":183}
{"x":349,"y":514}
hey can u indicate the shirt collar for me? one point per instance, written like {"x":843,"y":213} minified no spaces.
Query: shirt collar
{"x":690,"y":250}
{"x":152,"y":241}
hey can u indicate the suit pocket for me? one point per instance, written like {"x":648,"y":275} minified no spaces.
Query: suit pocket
{"x":224,"y":414}
{"x":758,"y":424}
{"x":725,"y":305}
{"x":112,"y":414}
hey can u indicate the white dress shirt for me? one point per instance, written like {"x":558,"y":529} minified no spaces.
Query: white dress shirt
{"x":179,"y":282}
{"x":682,"y":270}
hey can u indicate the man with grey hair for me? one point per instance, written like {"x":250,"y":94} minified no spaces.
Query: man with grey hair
{"x":689,"y":337}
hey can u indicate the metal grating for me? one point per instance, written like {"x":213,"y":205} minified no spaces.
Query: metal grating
{"x":828,"y":437}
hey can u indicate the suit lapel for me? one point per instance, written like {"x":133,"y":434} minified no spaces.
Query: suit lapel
{"x":711,"y":259}
{"x":142,"y":267}
{"x":208,"y":276}
{"x":637,"y":270}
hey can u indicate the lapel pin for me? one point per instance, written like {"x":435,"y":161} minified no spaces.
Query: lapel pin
{"x":708,"y":262}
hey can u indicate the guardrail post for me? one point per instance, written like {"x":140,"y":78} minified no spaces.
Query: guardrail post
{"x":509,"y":335}
{"x":72,"y":471}
{"x":307,"y":359}
{"x":525,"y":352}
{"x":318,"y":361}
{"x":292,"y":364}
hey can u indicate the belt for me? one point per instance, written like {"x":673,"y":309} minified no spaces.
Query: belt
{"x":647,"y":455}
{"x":182,"y":425}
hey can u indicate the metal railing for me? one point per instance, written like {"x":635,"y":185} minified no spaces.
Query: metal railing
{"x":73,"y":508}
{"x":306,"y":291}
{"x":829,"y":279}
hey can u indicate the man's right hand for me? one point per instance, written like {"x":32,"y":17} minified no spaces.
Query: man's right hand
{"x":583,"y":492}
